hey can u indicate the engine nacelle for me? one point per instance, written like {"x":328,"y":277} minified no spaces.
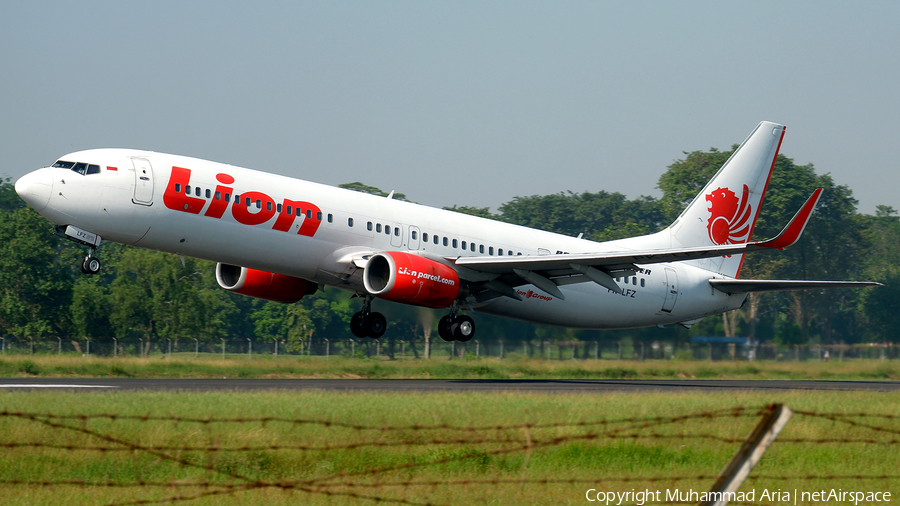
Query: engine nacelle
{"x":411,"y":279}
{"x":262,"y":284}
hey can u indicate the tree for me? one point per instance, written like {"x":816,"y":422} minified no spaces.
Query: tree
{"x":364,"y":188}
{"x":156,"y":296}
{"x":830,"y":247}
{"x":880,"y":306}
{"x":481,"y":212}
{"x":599,"y":216}
{"x":35,"y":283}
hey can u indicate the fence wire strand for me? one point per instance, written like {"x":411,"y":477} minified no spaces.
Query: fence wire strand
{"x":104,"y":433}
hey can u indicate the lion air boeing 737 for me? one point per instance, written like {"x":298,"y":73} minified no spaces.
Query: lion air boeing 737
{"x":279,"y":238}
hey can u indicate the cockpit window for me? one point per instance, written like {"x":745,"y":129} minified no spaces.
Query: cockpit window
{"x":79,"y":167}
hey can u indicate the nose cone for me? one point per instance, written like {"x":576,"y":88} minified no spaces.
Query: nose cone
{"x":35,"y":188}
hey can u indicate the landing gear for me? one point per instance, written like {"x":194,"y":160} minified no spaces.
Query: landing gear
{"x":366,"y":323}
{"x":90,"y":264}
{"x":454,"y":327}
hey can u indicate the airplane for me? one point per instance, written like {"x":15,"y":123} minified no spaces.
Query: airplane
{"x":280,"y":239}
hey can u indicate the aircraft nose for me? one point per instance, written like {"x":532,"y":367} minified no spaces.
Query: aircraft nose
{"x":35,"y":188}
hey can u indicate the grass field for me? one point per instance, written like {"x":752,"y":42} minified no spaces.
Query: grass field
{"x":455,"y":448}
{"x":482,"y":368}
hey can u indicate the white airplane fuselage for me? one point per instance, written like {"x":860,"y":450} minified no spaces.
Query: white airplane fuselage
{"x":134,"y":200}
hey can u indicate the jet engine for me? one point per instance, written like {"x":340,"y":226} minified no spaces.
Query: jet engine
{"x":411,"y":279}
{"x":262,"y":284}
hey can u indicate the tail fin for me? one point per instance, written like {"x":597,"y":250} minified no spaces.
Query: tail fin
{"x":725,"y":211}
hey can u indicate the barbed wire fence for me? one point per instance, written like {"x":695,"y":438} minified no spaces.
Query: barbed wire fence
{"x":395,"y":464}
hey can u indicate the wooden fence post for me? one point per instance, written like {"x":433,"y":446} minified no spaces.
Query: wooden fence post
{"x":734,"y":474}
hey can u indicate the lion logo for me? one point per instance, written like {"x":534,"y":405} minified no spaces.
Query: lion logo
{"x":729,"y":220}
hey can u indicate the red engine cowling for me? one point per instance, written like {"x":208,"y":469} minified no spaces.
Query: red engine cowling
{"x":262,"y":284}
{"x":411,"y":279}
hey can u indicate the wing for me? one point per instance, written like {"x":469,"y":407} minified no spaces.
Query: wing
{"x":547,"y":272}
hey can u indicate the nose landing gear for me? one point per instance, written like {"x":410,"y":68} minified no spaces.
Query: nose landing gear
{"x":90,"y":264}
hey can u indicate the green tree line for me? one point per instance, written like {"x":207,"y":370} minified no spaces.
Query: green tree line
{"x":154,"y":296}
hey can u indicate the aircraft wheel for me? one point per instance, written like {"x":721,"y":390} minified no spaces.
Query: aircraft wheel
{"x":90,"y":265}
{"x":463,"y":328}
{"x":358,"y":324}
{"x":444,"y":328}
{"x":375,"y":325}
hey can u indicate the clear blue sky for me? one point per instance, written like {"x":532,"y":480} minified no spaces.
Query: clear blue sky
{"x":468,"y":103}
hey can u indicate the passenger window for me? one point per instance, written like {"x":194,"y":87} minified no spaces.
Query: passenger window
{"x":472,"y":247}
{"x":464,"y":246}
{"x":425,"y":236}
{"x":349,"y":222}
{"x":219,"y":195}
{"x":634,"y":281}
{"x":642,"y":281}
{"x":445,"y":241}
{"x":258,"y":204}
{"x":500,"y":251}
{"x":309,"y":213}
{"x":227,"y":197}
{"x":481,"y":248}
{"x":387,"y":230}
{"x":197,"y":191}
{"x":491,"y":250}
{"x":237,"y":199}
{"x":247,"y":201}
{"x":290,"y":210}
{"x":319,"y":215}
{"x":455,"y":244}
{"x":396,"y":231}
{"x":93,"y":169}
{"x":208,"y":193}
{"x":278,"y":208}
{"x":330,"y":217}
{"x":177,"y":187}
{"x":413,"y":235}
{"x":369,"y":226}
{"x":187,"y":189}
{"x":268,"y":205}
{"x":435,"y":239}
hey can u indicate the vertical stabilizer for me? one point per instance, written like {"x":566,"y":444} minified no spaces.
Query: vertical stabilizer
{"x":725,"y":211}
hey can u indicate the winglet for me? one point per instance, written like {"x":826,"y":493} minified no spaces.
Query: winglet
{"x":795,"y":227}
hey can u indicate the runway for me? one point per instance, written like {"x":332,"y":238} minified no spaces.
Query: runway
{"x":438,"y":385}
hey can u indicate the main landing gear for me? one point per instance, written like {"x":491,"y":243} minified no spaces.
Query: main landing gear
{"x":456,"y":328}
{"x":453,"y":327}
{"x":366,"y":323}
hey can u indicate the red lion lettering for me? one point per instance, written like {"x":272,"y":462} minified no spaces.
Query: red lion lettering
{"x":729,"y":220}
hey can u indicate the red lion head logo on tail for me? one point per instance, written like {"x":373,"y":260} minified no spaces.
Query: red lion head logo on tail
{"x":729,"y":220}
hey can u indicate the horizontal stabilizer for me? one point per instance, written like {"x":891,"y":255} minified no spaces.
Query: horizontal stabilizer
{"x":732,"y":286}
